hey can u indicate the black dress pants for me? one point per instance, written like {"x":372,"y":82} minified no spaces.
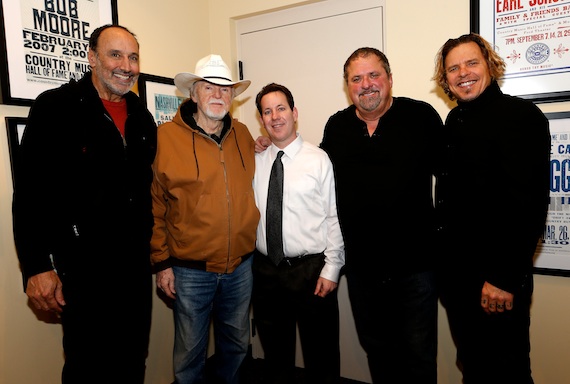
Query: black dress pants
{"x":283,"y":299}
{"x":106,"y":327}
{"x":491,"y":348}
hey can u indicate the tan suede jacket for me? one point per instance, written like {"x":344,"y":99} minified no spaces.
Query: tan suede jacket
{"x":204,"y":209}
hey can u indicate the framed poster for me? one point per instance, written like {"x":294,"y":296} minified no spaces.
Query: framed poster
{"x":533,"y":37}
{"x":160,"y":96}
{"x":46,"y":43}
{"x":15,"y":130}
{"x":553,"y":251}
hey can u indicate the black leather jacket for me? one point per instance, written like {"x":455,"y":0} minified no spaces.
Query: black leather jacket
{"x":82,"y":193}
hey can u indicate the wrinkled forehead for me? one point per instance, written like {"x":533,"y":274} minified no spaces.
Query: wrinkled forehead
{"x":117,"y":39}
{"x":361,"y":66}
{"x":463,"y":53}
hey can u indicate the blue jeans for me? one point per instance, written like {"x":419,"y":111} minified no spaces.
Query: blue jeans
{"x":396,"y":323}
{"x":224,"y":298}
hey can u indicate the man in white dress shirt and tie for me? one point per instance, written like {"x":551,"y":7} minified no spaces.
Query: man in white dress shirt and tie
{"x":300,"y":290}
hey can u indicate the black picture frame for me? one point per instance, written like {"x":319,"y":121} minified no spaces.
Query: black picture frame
{"x":45,"y":45}
{"x":160,"y":96}
{"x":539,"y":88}
{"x":14,"y":129}
{"x":552,"y":256}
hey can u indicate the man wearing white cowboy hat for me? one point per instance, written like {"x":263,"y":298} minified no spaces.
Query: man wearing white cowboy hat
{"x":205,"y":222}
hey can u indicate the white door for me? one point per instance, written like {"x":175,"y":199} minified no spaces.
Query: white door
{"x":305,"y":48}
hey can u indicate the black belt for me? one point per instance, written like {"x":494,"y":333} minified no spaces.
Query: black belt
{"x":291,"y":261}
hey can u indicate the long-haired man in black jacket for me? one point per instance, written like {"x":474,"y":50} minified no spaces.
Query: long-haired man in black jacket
{"x":492,"y":198}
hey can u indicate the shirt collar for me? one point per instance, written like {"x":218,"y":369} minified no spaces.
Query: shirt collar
{"x":290,"y":150}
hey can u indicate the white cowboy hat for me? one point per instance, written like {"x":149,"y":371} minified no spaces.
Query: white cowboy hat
{"x":213,"y":70}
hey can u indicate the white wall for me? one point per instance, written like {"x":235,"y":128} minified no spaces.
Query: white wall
{"x":174,"y":34}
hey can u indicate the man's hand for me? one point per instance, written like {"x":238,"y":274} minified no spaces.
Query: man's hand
{"x":495,"y":300}
{"x":261,"y":143}
{"x":165,"y":282}
{"x":45,"y":292}
{"x":324,"y":287}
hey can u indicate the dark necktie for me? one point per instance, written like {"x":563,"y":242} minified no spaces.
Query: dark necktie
{"x":274,"y":218}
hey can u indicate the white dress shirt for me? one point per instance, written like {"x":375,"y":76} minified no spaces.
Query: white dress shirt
{"x":310,"y":221}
